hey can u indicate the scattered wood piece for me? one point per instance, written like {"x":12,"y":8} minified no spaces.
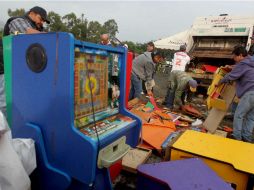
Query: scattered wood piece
{"x":133,"y":102}
{"x":188,"y":109}
{"x":145,"y":116}
{"x":155,"y":135}
{"x":134,"y":158}
{"x":163,"y":115}
{"x":186,"y":118}
{"x":220,"y":133}
{"x":215,"y":115}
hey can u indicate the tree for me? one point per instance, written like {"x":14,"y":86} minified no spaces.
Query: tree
{"x":110,"y":27}
{"x":17,"y":12}
{"x":136,"y":47}
{"x":83,"y":29}
{"x":56,"y":23}
{"x":94,"y":31}
{"x":70,"y":20}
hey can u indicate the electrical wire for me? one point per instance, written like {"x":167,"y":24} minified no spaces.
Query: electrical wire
{"x":94,"y":122}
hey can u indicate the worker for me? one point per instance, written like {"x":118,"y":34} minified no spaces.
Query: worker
{"x":143,"y":68}
{"x":180,"y":60}
{"x":242,"y":73}
{"x":105,"y":39}
{"x":251,"y":50}
{"x":31,"y":22}
{"x":180,"y":85}
{"x":150,"y":47}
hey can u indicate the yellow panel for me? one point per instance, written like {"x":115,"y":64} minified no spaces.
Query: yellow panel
{"x":237,"y":153}
{"x":218,"y":103}
{"x":219,"y":74}
{"x":208,"y":102}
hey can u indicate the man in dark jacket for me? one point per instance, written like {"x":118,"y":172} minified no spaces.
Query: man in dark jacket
{"x":243,"y":74}
{"x":30,"y":23}
{"x":143,"y":68}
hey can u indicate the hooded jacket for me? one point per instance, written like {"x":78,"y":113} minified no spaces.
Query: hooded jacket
{"x":243,"y":75}
{"x":144,"y":67}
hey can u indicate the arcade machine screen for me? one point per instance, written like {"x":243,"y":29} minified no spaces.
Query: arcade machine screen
{"x":97,"y":93}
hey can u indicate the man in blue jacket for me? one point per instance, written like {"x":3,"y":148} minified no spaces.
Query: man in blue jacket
{"x":243,"y":74}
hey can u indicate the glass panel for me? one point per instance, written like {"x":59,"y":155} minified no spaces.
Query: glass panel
{"x":97,"y":79}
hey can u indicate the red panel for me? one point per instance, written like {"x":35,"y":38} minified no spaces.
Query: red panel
{"x":128,"y":76}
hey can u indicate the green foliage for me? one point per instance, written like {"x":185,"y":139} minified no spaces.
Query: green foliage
{"x":17,"y":12}
{"x":81,"y":28}
{"x":56,"y":23}
{"x":94,"y":31}
{"x":136,"y":47}
{"x":110,"y":27}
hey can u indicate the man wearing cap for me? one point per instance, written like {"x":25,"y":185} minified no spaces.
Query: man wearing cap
{"x":180,"y":60}
{"x":143,"y":68}
{"x":180,"y":84}
{"x":251,"y":50}
{"x":31,"y":22}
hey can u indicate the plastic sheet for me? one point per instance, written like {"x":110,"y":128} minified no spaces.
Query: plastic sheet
{"x":12,"y":173}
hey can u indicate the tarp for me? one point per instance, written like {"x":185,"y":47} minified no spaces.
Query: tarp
{"x":173,"y":42}
{"x":17,"y":159}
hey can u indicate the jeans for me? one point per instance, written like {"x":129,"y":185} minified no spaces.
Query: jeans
{"x":243,"y":123}
{"x":170,"y":97}
{"x":136,"y":87}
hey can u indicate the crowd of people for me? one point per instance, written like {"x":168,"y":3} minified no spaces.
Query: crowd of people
{"x":143,"y":70}
{"x":181,"y":85}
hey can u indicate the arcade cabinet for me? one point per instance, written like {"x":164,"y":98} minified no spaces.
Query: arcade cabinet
{"x":69,"y":96}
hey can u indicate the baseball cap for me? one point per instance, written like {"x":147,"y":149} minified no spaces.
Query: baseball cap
{"x":182,"y":48}
{"x":193,"y":85}
{"x":42,"y":12}
{"x":157,"y":52}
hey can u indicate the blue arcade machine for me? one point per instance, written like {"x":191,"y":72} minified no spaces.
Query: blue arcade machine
{"x":68,"y":96}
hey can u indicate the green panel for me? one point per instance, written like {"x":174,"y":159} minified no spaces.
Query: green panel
{"x":240,"y":29}
{"x":7,"y":44}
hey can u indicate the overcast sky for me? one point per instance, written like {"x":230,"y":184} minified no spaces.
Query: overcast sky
{"x":139,"y":21}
